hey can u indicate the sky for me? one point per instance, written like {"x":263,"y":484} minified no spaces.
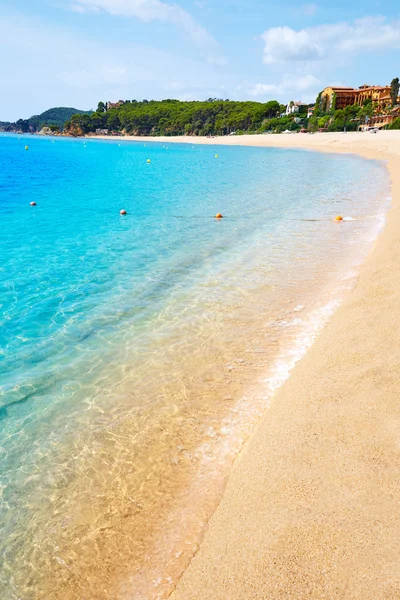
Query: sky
{"x":78,"y":52}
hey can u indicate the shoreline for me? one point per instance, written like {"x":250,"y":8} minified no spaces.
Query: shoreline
{"x":309,"y":508}
{"x":305,"y":510}
{"x":273,"y":497}
{"x":310,"y":504}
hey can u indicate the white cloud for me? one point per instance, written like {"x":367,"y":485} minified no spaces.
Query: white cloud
{"x":324,"y":42}
{"x":155,"y":10}
{"x":262,"y":89}
{"x":283,"y":44}
{"x":289,"y":85}
{"x":84,"y":71}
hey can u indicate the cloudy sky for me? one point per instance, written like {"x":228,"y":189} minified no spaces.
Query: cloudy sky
{"x":77,"y":52}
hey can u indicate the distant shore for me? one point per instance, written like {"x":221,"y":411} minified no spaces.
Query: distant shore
{"x":343,"y":142}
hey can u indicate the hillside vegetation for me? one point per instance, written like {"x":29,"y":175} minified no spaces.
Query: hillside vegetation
{"x":173,"y":117}
{"x":54,"y":117}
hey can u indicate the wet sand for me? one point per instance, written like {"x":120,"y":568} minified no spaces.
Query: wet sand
{"x":311,"y":507}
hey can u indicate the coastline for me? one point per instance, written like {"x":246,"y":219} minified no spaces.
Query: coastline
{"x":287,"y":427}
{"x":310,"y":507}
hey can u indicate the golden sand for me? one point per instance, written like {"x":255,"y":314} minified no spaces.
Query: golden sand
{"x":311,"y":507}
{"x":138,"y":489}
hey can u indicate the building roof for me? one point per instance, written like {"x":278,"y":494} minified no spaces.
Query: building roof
{"x":362,"y":88}
{"x":377,"y":87}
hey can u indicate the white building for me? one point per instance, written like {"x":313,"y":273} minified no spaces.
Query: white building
{"x":294,"y":107}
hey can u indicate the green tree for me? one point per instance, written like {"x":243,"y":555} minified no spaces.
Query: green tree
{"x":97,"y":121}
{"x":318,"y":106}
{"x":333,"y":103}
{"x":22,"y":125}
{"x":173,"y":117}
{"x":272,"y":109}
{"x":395,"y":124}
{"x":81,"y":123}
{"x":53,"y":116}
{"x":366,"y":111}
{"x":394,"y":90}
{"x":101,"y":107}
{"x":322,"y":121}
{"x":113,"y":121}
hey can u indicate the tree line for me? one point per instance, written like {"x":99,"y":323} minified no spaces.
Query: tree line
{"x":54,"y":118}
{"x":173,"y":117}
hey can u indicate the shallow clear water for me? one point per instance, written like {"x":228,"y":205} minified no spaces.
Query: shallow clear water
{"x":138,"y":351}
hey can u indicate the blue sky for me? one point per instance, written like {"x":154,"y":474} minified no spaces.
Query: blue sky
{"x":77,"y":52}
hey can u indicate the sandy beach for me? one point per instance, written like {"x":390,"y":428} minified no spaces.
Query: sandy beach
{"x":200,"y":300}
{"x":311,"y":506}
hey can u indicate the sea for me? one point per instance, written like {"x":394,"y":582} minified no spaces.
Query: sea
{"x":139,"y":351}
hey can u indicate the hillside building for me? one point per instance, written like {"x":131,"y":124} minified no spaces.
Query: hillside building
{"x":340,"y":97}
{"x":114,"y":104}
{"x":381,"y":120}
{"x":295,"y":107}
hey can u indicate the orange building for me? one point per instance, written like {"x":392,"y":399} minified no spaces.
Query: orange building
{"x":341,"y":97}
{"x":381,"y":120}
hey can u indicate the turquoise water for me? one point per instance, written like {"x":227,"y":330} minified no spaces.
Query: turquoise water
{"x":117,"y":333}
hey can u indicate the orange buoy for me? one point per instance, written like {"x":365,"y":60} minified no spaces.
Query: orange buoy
{"x":338,"y":218}
{"x":33,"y":204}
{"x":218,"y":216}
{"x":122,"y":212}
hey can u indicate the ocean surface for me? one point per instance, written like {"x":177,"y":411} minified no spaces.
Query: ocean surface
{"x":137,"y":352}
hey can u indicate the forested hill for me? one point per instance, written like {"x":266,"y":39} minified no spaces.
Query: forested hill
{"x":173,"y":117}
{"x":54,"y":116}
